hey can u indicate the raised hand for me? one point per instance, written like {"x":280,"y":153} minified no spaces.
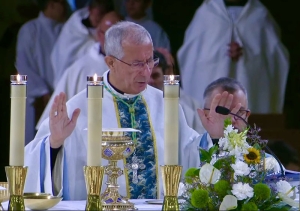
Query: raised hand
{"x":214,"y":122}
{"x":60,"y":124}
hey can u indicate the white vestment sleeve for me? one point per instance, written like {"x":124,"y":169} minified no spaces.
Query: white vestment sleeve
{"x":39,"y":165}
{"x":189,"y":141}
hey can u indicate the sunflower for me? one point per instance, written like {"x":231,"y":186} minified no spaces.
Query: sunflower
{"x":253,"y":157}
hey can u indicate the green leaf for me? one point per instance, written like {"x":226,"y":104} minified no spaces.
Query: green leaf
{"x":219,"y":163}
{"x":213,"y":150}
{"x":196,"y":172}
{"x":227,"y":122}
{"x":205,"y":156}
{"x":256,"y":146}
{"x":279,"y":207}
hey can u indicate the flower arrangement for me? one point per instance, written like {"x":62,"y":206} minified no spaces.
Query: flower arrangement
{"x":235,"y":175}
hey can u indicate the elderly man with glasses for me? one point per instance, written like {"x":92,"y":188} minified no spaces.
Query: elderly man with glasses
{"x":58,"y":153}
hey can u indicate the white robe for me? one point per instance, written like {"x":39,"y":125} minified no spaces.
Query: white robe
{"x":189,"y":107}
{"x":74,"y":78}
{"x":159,"y":37}
{"x":263,"y":67}
{"x":73,"y":42}
{"x":36,"y":39}
{"x":75,"y":145}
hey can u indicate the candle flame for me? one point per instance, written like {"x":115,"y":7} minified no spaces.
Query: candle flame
{"x":95,"y":77}
{"x":18,"y":78}
{"x":172,"y":77}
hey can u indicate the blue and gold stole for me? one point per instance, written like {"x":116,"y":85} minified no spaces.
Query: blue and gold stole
{"x":147,"y":185}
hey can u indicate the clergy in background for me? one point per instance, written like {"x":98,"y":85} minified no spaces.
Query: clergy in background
{"x":188,"y":104}
{"x":36,"y":39}
{"x":55,"y":158}
{"x":74,"y":78}
{"x":78,"y":35}
{"x":237,"y":39}
{"x":136,"y":12}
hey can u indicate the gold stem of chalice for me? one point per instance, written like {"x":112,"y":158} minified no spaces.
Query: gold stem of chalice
{"x":93,"y":180}
{"x":113,"y":149}
{"x":171,"y":177}
{"x":16,"y":176}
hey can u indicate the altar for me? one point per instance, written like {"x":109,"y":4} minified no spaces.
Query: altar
{"x":140,"y":204}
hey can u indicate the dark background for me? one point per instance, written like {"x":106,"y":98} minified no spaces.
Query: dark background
{"x":174,"y":16}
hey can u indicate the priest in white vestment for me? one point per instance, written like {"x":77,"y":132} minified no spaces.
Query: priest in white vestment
{"x":36,"y":38}
{"x":237,"y":39}
{"x":74,"y":78}
{"x":77,"y":36}
{"x":136,"y":12}
{"x":55,"y":158}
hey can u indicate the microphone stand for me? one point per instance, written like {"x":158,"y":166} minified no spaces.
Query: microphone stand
{"x":225,"y":111}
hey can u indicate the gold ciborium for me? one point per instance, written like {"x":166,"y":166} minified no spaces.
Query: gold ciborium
{"x":115,"y":146}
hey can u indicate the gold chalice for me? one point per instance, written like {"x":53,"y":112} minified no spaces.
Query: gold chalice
{"x":115,"y":146}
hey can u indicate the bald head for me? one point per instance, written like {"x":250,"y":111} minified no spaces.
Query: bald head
{"x":106,"y":22}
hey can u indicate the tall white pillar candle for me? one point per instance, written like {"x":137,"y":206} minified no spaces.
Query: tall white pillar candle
{"x":171,"y":120}
{"x":94,"y":96}
{"x":17,"y":119}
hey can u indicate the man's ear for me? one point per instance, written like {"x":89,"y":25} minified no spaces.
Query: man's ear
{"x":110,"y":62}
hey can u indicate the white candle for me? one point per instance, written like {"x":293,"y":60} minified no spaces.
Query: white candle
{"x":94,"y":96}
{"x":17,"y":119}
{"x":171,"y":120}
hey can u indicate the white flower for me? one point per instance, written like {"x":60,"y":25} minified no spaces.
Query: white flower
{"x":209,"y":174}
{"x":229,"y":203}
{"x":233,"y":142}
{"x":242,"y":191}
{"x":285,"y":188}
{"x":229,"y":129}
{"x":240,"y":168}
{"x":271,"y":164}
{"x":181,"y":189}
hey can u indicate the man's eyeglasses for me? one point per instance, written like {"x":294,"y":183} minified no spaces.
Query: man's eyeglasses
{"x":140,"y":65}
{"x":242,"y":113}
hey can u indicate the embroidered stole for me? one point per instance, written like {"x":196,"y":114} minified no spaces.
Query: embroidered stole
{"x":146,"y":188}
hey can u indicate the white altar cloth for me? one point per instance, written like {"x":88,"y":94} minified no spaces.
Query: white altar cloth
{"x":140,"y":204}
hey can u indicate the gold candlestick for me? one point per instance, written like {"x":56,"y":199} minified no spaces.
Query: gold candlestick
{"x":93,"y":180}
{"x":16,"y":176}
{"x":171,"y":177}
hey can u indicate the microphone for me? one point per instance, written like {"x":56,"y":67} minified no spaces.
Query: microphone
{"x":225,"y":111}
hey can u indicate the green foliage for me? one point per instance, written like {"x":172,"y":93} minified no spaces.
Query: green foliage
{"x":222,"y":187}
{"x":200,"y":198}
{"x":262,"y":191}
{"x":227,"y":122}
{"x":250,"y":206}
{"x":190,"y":174}
{"x":206,"y":156}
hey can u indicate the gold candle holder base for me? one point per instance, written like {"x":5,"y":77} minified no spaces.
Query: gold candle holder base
{"x":93,"y":179}
{"x":16,"y":176}
{"x":171,"y":177}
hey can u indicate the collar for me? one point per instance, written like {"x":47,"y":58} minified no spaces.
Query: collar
{"x":116,"y":91}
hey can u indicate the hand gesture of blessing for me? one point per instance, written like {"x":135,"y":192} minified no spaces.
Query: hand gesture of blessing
{"x":60,"y":124}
